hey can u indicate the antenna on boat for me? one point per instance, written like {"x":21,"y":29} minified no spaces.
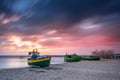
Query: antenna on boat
{"x":66,"y":53}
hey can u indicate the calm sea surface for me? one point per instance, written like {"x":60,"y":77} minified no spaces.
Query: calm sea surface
{"x":8,"y":62}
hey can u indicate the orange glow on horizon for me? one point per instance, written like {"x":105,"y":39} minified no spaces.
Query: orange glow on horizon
{"x":17,"y":43}
{"x":17,"y":40}
{"x":56,"y":44}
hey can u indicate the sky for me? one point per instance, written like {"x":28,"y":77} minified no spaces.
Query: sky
{"x":55,"y":27}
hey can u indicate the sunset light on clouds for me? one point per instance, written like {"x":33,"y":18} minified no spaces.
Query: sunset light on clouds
{"x":57,"y":26}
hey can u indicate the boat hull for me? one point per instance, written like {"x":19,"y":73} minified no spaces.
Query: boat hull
{"x":72,"y":59}
{"x":44,"y":62}
{"x":91,"y":58}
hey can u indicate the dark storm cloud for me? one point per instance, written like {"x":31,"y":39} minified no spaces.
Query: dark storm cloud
{"x":71,"y":11}
{"x":39,"y":16}
{"x":74,"y":9}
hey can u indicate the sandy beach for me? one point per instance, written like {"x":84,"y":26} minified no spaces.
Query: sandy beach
{"x":84,"y":70}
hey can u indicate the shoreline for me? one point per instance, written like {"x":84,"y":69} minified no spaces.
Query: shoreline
{"x":84,"y":70}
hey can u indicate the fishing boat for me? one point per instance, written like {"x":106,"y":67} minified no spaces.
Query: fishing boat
{"x":38,"y":61}
{"x":91,"y":58}
{"x":72,"y":58}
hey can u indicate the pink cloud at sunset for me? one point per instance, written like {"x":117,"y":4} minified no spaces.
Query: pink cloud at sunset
{"x":57,"y":45}
{"x":11,"y":19}
{"x":54,"y":28}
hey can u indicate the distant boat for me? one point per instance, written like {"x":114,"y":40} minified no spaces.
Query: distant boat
{"x":91,"y":58}
{"x":72,"y":58}
{"x":39,"y":61}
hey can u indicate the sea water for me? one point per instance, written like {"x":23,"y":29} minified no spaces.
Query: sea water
{"x":15,"y":62}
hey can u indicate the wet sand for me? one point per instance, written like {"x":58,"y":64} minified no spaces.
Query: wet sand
{"x":84,"y":70}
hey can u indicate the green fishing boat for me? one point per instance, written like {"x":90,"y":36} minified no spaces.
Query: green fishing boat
{"x":72,"y":58}
{"x":91,"y":58}
{"x":38,"y":61}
